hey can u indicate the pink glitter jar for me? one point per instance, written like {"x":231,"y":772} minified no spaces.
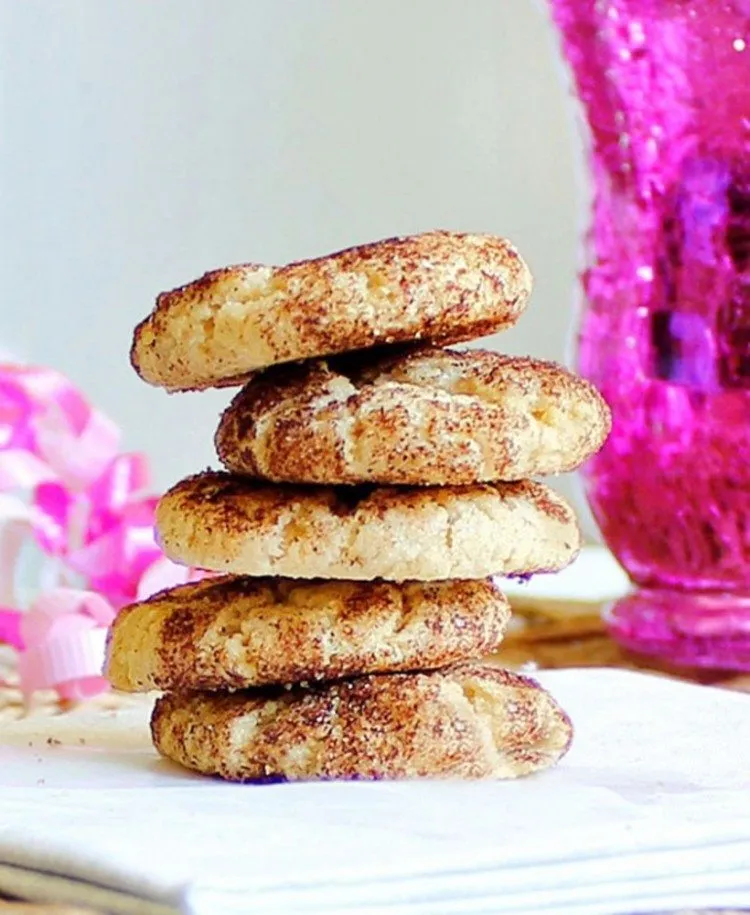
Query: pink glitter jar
{"x":665,"y":327}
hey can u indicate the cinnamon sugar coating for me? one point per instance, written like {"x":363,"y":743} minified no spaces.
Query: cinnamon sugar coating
{"x":470,"y":721}
{"x":440,"y":286}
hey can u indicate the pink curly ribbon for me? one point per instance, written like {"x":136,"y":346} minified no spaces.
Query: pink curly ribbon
{"x":64,"y":635}
{"x":85,"y":505}
{"x":10,"y":628}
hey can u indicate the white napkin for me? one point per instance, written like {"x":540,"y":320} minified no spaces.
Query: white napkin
{"x":650,"y":811}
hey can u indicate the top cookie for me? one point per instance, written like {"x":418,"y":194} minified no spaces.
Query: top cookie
{"x":426,"y":416}
{"x":441,"y":287}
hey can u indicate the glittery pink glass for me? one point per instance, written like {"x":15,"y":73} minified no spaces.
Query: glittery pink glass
{"x":665,"y":330}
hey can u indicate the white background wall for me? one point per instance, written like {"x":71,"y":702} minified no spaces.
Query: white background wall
{"x":145,"y":141}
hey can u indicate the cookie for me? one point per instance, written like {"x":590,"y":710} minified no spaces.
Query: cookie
{"x":470,"y":721}
{"x":228,"y":633}
{"x":440,"y":287}
{"x":427,"y":416}
{"x":226,"y":523}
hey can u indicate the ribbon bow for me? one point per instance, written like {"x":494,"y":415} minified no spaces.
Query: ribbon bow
{"x":65,"y":487}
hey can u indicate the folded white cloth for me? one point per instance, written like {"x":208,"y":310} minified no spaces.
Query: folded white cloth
{"x":650,"y":811}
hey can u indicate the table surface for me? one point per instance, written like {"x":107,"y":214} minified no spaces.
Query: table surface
{"x":544,"y":634}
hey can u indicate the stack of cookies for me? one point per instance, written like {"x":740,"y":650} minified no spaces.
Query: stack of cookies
{"x":375,"y":483}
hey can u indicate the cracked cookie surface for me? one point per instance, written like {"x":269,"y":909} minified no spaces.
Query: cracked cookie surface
{"x":470,"y":721}
{"x":223,"y":633}
{"x":226,"y":523}
{"x":441,"y":287}
{"x":421,"y":417}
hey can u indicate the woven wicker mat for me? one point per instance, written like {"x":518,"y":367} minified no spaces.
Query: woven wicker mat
{"x":558,"y":634}
{"x":548,"y":634}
